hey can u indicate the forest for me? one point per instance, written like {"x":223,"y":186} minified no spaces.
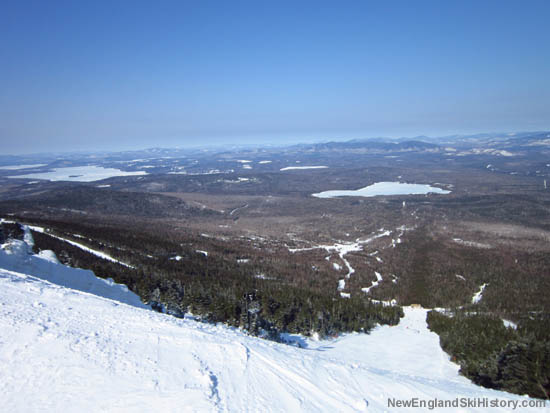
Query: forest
{"x":495,"y":356}
{"x":214,"y":288}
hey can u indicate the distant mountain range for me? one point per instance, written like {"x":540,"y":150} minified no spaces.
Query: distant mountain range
{"x":521,"y":141}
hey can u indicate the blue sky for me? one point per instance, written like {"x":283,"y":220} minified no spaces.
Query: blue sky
{"x":78,"y":75}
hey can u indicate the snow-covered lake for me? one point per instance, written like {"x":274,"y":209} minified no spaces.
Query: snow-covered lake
{"x":88,"y":173}
{"x":292,"y":168}
{"x":384,"y":188}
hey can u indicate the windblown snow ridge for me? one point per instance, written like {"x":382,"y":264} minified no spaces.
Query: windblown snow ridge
{"x":17,"y":256}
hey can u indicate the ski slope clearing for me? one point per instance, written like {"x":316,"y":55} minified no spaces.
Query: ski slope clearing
{"x":83,"y":247}
{"x":344,"y":248}
{"x":66,"y":350}
{"x":479,"y":295}
{"x":374,"y":283}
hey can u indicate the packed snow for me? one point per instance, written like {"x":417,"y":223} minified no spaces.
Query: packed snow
{"x":64,"y":348}
{"x":87,"y":173}
{"x":384,"y":188}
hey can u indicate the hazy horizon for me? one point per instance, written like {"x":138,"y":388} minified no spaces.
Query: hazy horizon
{"x":260,"y":144}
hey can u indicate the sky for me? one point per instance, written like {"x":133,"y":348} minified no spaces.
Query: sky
{"x":113,"y":75}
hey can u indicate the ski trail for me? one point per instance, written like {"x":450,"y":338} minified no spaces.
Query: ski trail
{"x":295,"y":381}
{"x":374,"y":283}
{"x":81,"y":246}
{"x":479,"y":294}
{"x":342,"y":249}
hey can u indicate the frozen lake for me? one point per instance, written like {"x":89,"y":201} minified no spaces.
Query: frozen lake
{"x":87,"y":173}
{"x":384,"y":188}
{"x":292,"y":168}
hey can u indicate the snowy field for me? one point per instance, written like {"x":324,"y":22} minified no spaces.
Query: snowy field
{"x":66,"y":350}
{"x":384,"y":188}
{"x":87,"y":173}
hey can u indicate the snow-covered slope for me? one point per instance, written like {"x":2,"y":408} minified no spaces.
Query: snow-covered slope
{"x":66,"y":350}
{"x":17,"y":256}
